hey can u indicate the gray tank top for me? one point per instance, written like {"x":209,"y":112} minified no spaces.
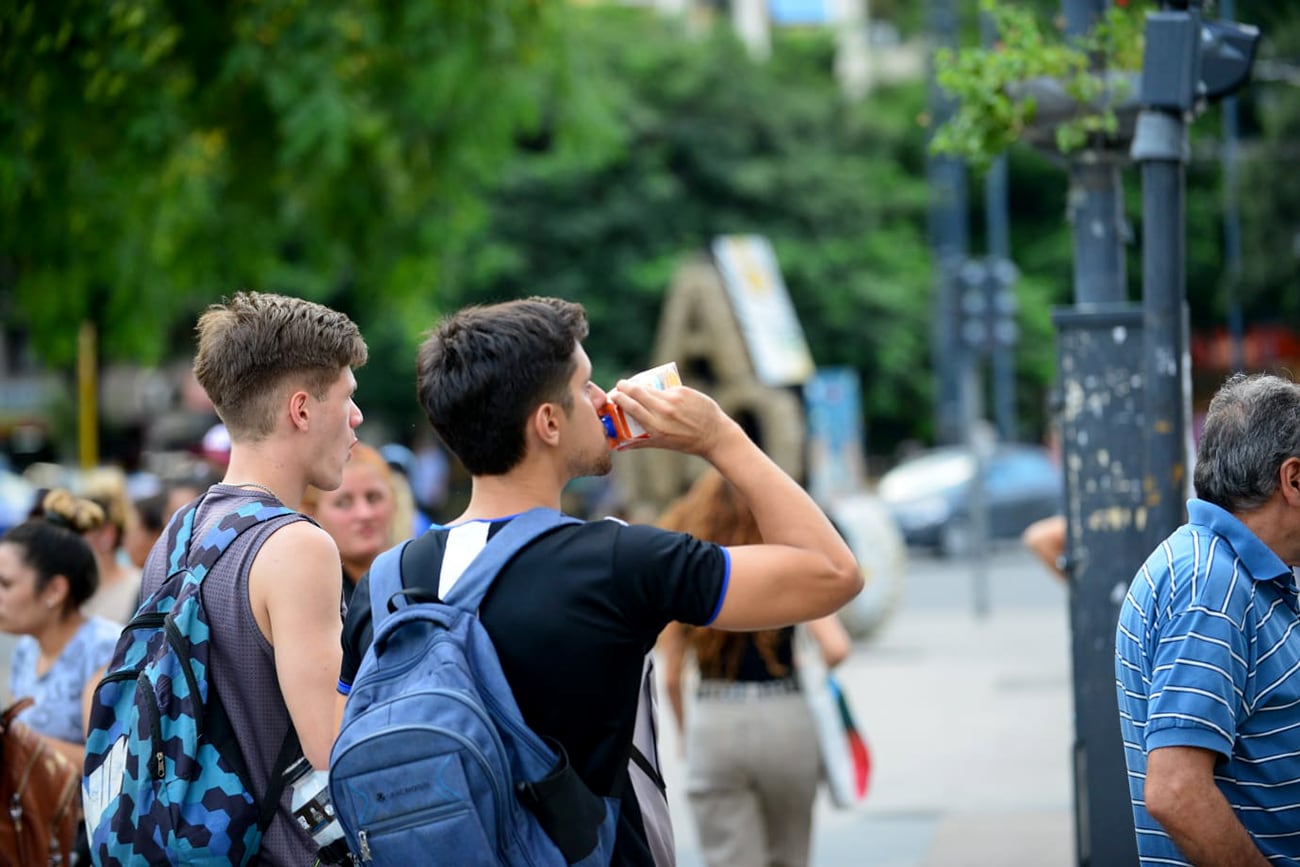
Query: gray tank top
{"x":243,"y":662}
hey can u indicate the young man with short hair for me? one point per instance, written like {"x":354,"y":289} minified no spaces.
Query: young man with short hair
{"x":508,"y":389}
{"x":279,"y":372}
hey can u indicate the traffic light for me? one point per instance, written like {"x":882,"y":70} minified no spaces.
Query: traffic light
{"x":988,"y":303}
{"x":1188,"y":61}
{"x":1227,"y":56}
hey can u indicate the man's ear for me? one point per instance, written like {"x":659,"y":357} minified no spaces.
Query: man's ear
{"x":1289,"y":476}
{"x":545,"y":423}
{"x":300,"y":410}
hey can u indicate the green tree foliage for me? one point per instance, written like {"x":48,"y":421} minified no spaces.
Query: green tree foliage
{"x":715,"y":144}
{"x":1270,"y":184}
{"x":157,"y":154}
{"x":992,"y":86}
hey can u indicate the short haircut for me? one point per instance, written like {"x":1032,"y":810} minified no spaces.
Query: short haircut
{"x":1251,"y":427}
{"x":254,"y":344}
{"x":483,"y":371}
{"x":52,"y":543}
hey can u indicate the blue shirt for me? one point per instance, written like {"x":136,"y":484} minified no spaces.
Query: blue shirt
{"x":57,"y":711}
{"x":1207,"y":655}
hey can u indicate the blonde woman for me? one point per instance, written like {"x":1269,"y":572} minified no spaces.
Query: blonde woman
{"x":359,"y":515}
{"x":118,"y":594}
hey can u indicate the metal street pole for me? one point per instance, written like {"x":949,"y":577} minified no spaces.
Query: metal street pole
{"x":999,"y":247}
{"x":997,"y":229}
{"x":1099,"y":376}
{"x":1096,"y":209}
{"x":1232,"y":218}
{"x":1096,"y":199}
{"x":948,"y":245}
{"x":1169,"y":74}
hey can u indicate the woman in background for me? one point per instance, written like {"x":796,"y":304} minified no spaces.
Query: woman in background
{"x":47,"y":572}
{"x":359,"y":515}
{"x":118,"y":593}
{"x":145,"y":526}
{"x":751,"y":750}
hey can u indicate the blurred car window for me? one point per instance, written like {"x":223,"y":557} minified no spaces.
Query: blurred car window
{"x":1012,"y":470}
{"x":926,"y":473}
{"x":929,"y":494}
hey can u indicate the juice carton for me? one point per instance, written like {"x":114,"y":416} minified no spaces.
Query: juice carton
{"x":620,"y":427}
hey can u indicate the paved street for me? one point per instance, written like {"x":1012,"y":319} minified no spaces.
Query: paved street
{"x":970,"y":725}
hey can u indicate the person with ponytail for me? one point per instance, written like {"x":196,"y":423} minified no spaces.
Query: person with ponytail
{"x":752,"y":756}
{"x":47,"y":572}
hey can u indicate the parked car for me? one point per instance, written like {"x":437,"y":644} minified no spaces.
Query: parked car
{"x":929,"y":494}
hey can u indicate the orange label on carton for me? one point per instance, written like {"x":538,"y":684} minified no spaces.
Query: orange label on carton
{"x":619,"y":426}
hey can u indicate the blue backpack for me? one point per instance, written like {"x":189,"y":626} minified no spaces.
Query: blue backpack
{"x":165,"y":781}
{"x":434,"y":763}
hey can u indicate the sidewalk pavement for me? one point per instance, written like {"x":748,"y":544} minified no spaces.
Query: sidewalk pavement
{"x":970,"y":726}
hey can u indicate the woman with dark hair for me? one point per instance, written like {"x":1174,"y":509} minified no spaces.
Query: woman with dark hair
{"x":47,"y":572}
{"x":751,"y":749}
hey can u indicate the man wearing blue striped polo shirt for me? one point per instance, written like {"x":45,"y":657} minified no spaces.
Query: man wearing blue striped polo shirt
{"x":1207,"y":653}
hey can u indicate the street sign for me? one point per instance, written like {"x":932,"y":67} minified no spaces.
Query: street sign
{"x":757,"y":292}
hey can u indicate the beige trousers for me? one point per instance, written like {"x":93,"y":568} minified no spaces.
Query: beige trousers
{"x":752,"y":774}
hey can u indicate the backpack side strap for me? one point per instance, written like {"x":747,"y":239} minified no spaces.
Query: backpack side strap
{"x":290,"y":750}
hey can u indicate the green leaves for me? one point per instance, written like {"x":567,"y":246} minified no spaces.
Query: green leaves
{"x":997,"y":89}
{"x":157,"y":154}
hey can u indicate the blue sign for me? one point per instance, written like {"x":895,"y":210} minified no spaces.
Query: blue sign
{"x":833,"y":403}
{"x":799,"y":11}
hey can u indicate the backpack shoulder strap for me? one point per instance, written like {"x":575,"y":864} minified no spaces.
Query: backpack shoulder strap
{"x":181,"y":530}
{"x":385,"y":582}
{"x":472,"y":586}
{"x":215,"y":542}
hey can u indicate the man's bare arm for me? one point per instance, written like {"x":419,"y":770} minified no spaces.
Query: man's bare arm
{"x":804,"y":569}
{"x":294,"y":587}
{"x":1181,"y":795}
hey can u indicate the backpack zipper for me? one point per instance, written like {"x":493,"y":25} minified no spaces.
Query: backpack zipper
{"x":365,"y":846}
{"x":158,"y":761}
{"x":397,"y":824}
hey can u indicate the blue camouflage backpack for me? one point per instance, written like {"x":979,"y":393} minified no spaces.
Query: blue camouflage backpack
{"x":165,"y":781}
{"x":434,"y":763}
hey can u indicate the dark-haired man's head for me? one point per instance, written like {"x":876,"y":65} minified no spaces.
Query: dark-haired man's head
{"x":484,"y":370}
